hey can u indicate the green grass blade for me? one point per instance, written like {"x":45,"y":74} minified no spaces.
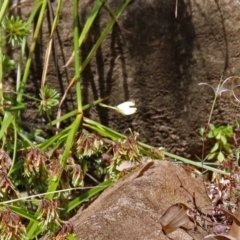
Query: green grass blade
{"x":76,"y":57}
{"x":34,"y":12}
{"x":3,"y":9}
{"x":57,"y":16}
{"x":101,"y":129}
{"x":75,"y":112}
{"x":55,"y":139}
{"x":15,"y":146}
{"x":104,"y":34}
{"x":86,"y":196}
{"x":96,"y":46}
{"x":19,"y":211}
{"x":107,"y":132}
{"x":7,"y":120}
{"x":90,"y":21}
{"x":32,"y":229}
{"x":32,"y":48}
{"x":88,"y":24}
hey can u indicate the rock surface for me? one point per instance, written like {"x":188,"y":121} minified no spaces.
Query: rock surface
{"x":132,"y":207}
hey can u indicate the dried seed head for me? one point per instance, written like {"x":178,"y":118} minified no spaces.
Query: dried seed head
{"x":89,"y":144}
{"x":106,"y":158}
{"x":55,"y":170}
{"x":66,"y":229}
{"x":49,"y":214}
{"x":11,"y":225}
{"x":35,"y":162}
{"x":77,"y":175}
{"x":7,"y":190}
{"x":126,"y":150}
{"x":5,"y":161}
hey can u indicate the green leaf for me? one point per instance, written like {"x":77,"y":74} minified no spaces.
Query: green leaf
{"x":220,"y":157}
{"x":202,"y":131}
{"x":71,"y":237}
{"x":211,"y":133}
{"x":223,"y":139}
{"x":7,"y":120}
{"x":211,"y":156}
{"x":229,"y":131}
{"x":218,"y":135}
{"x":215,"y":147}
{"x":227,"y":147}
{"x":211,"y":126}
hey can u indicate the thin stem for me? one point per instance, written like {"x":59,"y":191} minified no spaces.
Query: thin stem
{"x":211,"y":112}
{"x":76,"y":57}
{"x":107,"y":106}
{"x":145,"y":148}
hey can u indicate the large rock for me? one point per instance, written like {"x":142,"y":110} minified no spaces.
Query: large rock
{"x":132,"y":207}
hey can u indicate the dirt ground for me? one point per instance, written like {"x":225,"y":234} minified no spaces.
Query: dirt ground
{"x":156,"y":54}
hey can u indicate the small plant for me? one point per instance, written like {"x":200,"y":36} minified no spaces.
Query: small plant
{"x":217,"y":93}
{"x":8,"y":64}
{"x":49,"y":99}
{"x":16,"y":30}
{"x":222,"y":147}
{"x":221,"y":135}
